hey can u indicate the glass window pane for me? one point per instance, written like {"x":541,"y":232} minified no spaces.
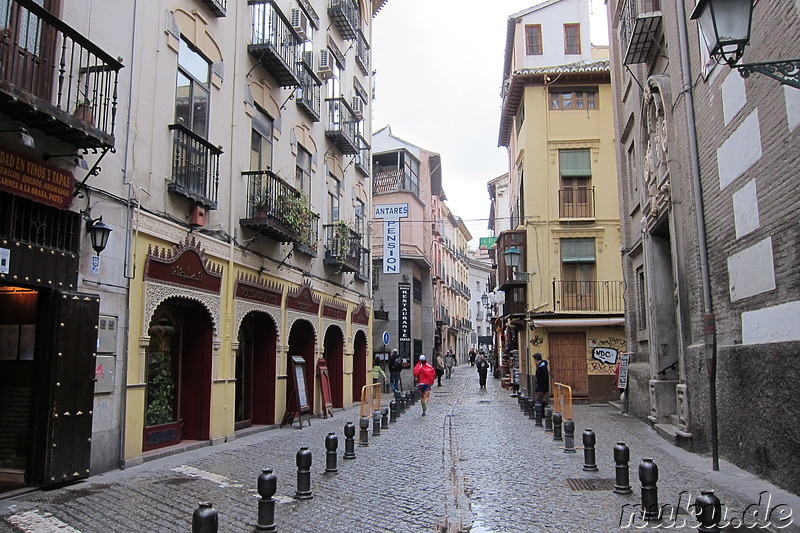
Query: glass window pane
{"x":577,"y":250}
{"x":183,"y":98}
{"x":575,"y":163}
{"x":200,"y":112}
{"x":193,"y":63}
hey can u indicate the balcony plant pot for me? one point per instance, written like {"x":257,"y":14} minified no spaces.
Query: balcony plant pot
{"x":84,"y":111}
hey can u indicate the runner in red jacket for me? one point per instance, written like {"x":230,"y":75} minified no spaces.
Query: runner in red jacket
{"x":424,"y":375}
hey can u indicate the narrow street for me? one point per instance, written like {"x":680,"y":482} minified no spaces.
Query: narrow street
{"x":475,"y":463}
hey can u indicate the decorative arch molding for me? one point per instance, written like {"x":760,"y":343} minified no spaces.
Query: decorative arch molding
{"x":293,"y":316}
{"x":303,"y":135}
{"x":303,"y":299}
{"x":592,"y":144}
{"x":262,"y":97}
{"x":157,"y":293}
{"x":361,"y":314}
{"x":193,"y":26}
{"x":244,"y":308}
{"x":656,"y":128}
{"x":327,"y":324}
{"x":334,"y":165}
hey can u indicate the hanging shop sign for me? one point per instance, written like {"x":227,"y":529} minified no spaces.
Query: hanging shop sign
{"x":185,"y":265}
{"x":391,"y":215}
{"x":404,"y":312}
{"x":35,"y":180}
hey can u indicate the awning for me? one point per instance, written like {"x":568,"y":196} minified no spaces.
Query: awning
{"x":577,"y":322}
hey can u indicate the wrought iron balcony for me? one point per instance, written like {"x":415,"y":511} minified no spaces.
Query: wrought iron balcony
{"x":364,"y":156}
{"x":341,"y":126}
{"x":342,"y":247}
{"x":639,"y":23}
{"x":274,"y":43}
{"x":309,"y":93}
{"x":54,"y":79}
{"x":589,"y":296}
{"x":195,"y":167}
{"x":362,"y":53}
{"x":344,"y":14}
{"x":576,"y":202}
{"x":218,"y":7}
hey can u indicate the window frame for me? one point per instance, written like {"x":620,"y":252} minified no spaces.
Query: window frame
{"x":588,"y":98}
{"x":194,"y":83}
{"x":533,"y":40}
{"x":577,"y":36}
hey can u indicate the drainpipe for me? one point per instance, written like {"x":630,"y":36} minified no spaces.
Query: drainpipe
{"x":709,"y":327}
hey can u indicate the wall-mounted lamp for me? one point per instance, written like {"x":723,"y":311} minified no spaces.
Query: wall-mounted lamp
{"x":77,"y":159}
{"x":725,"y":25}
{"x":98,"y":232}
{"x":512,"y":255}
{"x":22,"y":136}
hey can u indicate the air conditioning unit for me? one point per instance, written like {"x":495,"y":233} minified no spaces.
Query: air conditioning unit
{"x":325,"y":69}
{"x":358,"y":106}
{"x":197,"y":216}
{"x":308,"y":59}
{"x":300,"y":23}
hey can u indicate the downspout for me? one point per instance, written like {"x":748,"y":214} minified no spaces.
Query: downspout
{"x":709,"y":327}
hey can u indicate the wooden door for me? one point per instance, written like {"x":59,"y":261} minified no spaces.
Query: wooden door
{"x":28,"y":48}
{"x":568,"y":361}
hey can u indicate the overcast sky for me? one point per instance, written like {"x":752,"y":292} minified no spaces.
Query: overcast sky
{"x":439,"y":67}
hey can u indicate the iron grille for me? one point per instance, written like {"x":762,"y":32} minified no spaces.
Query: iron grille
{"x":37,"y":224}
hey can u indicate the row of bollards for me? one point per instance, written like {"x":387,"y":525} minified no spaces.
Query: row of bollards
{"x":707,"y":506}
{"x":205,"y":518}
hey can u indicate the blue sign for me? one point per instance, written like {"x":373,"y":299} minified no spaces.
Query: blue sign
{"x":385,"y":337}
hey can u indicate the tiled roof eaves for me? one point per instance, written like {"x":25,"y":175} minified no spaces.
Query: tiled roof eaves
{"x":599,"y":65}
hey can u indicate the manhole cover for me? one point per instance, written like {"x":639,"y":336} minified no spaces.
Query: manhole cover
{"x":590,"y":484}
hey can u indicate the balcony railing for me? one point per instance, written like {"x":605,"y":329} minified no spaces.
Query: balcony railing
{"x":195,"y":166}
{"x":362,"y":53}
{"x":54,"y":79}
{"x":218,"y":7}
{"x":363,"y":157}
{"x":274,"y":43}
{"x":344,"y":14}
{"x":590,"y":296}
{"x":309,"y":93}
{"x":342,"y":247}
{"x":392,"y":180}
{"x":341,"y":126}
{"x":639,"y":22}
{"x":576,"y":202}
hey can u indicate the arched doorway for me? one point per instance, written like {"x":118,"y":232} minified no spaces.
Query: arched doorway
{"x":301,"y":343}
{"x":359,"y":364}
{"x":178,"y":394}
{"x":333,"y":352}
{"x":255,"y":371}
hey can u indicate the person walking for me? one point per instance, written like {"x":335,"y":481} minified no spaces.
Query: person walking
{"x":483,"y":369}
{"x":542,"y":390}
{"x":439,"y":368}
{"x":449,"y":363}
{"x":424,"y":375}
{"x":378,"y":375}
{"x":472,"y":355}
{"x":395,"y":366}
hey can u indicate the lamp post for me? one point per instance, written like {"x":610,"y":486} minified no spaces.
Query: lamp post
{"x":513,"y":256}
{"x":98,"y":233}
{"x":726,"y":25}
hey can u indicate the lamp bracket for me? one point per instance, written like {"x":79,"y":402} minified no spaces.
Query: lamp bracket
{"x":786,"y":72}
{"x":94,"y":171}
{"x":522,"y":276}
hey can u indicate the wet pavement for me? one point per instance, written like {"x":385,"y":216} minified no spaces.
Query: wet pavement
{"x":473,"y":464}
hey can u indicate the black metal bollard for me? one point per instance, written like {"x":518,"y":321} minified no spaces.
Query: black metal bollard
{"x":205,"y":519}
{"x":530,"y":408}
{"x":376,"y":423}
{"x":648,"y":475}
{"x":569,"y":436}
{"x":401,"y":406}
{"x":349,"y":441}
{"x":622,"y":455}
{"x":589,"y":440}
{"x":557,"y":427}
{"x":303,"y":460}
{"x":363,"y":423}
{"x":538,"y":411}
{"x":331,"y":444}
{"x":267,"y":485}
{"x":393,"y":411}
{"x":708,"y":510}
{"x":548,"y":419}
{"x":410,"y":399}
{"x":384,"y":417}
{"x":522,"y":402}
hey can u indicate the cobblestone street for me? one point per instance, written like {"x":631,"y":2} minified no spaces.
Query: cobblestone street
{"x":475,"y":463}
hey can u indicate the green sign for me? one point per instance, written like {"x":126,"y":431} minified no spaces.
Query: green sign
{"x":486,"y":243}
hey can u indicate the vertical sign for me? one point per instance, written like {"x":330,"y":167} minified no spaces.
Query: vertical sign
{"x":404,"y":318}
{"x":624,"y":358}
{"x":391,"y":215}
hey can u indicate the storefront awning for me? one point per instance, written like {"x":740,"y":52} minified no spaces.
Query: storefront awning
{"x":577,"y":322}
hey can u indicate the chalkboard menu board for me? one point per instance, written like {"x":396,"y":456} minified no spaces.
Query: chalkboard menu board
{"x":298,"y":400}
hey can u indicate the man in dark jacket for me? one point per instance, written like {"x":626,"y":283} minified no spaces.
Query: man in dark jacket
{"x":395,"y":366}
{"x":542,"y":389}
{"x":483,"y":368}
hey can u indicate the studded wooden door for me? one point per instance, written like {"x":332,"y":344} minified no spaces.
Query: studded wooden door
{"x":568,"y":361}
{"x":74,"y":341}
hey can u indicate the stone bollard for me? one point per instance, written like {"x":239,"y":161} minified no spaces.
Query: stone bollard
{"x":589,"y":440}
{"x":548,"y":419}
{"x":648,"y":475}
{"x":331,"y":444}
{"x":349,"y":441}
{"x":205,"y":519}
{"x":557,"y":427}
{"x":267,"y":485}
{"x":393,"y":411}
{"x":569,"y":436}
{"x":708,"y":509}
{"x":363,"y":423}
{"x":384,"y":417}
{"x":622,"y":455}
{"x":538,"y":412}
{"x":522,"y":402}
{"x":303,"y":459}
{"x":376,"y":423}
{"x":530,"y":410}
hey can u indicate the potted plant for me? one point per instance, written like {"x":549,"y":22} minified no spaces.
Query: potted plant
{"x":295,"y":211}
{"x":84,"y":110}
{"x":260,"y":202}
{"x":340,"y":241}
